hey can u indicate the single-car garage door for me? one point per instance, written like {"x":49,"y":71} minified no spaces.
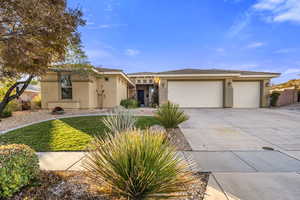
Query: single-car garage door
{"x":193,"y":94}
{"x":246,"y":94}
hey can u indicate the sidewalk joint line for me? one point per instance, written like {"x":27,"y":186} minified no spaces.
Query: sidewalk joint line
{"x":247,"y":163}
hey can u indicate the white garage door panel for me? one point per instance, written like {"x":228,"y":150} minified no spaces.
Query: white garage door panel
{"x":246,"y":94}
{"x":193,"y":94}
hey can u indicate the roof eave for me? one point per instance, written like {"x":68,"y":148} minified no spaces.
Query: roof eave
{"x":116,"y":73}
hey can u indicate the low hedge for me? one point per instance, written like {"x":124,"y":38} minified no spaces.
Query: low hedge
{"x":6,"y":113}
{"x":129,"y":103}
{"x":18,"y":166}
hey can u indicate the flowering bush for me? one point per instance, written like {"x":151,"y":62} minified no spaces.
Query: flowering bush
{"x":18,"y":166}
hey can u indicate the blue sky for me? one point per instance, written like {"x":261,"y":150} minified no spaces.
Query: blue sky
{"x":157,"y":35}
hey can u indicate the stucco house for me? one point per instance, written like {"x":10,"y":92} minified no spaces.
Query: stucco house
{"x":104,"y":88}
{"x":190,"y":88}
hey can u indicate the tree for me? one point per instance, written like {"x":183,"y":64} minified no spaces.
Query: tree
{"x":33,"y":35}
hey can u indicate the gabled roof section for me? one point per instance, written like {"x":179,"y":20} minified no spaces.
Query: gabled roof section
{"x":102,"y":70}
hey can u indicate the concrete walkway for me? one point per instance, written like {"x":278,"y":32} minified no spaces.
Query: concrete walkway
{"x":61,"y":160}
{"x":234,"y":179}
{"x":229,"y":143}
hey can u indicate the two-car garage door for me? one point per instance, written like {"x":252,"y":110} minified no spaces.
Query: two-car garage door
{"x":193,"y":94}
{"x":209,"y":94}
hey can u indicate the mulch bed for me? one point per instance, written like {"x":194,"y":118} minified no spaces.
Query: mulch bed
{"x":73,"y":185}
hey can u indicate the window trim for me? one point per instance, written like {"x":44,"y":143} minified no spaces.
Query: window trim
{"x":69,"y":87}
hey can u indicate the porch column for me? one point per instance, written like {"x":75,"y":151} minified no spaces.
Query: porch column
{"x":163,"y":91}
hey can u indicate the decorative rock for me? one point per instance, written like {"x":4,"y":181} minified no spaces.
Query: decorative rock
{"x":58,"y":111}
{"x":157,"y":128}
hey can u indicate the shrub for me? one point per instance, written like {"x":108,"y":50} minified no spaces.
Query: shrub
{"x":138,"y":165}
{"x":6,"y":113}
{"x":274,"y":98}
{"x":170,"y":116}
{"x":58,"y":110}
{"x":10,"y":108}
{"x":18,"y":166}
{"x":119,"y":121}
{"x":36,"y":102}
{"x":129,"y":103}
{"x":14,"y":105}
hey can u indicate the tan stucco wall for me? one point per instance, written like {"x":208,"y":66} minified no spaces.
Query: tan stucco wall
{"x":88,"y":91}
{"x":163,"y":91}
{"x":49,"y":89}
{"x":265,"y":88}
{"x":121,"y":89}
{"x":228,"y":93}
{"x":110,"y":92}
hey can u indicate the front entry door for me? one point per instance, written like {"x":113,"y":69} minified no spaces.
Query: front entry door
{"x":141,"y":97}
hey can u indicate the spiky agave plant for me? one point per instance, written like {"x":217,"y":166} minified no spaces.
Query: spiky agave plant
{"x":119,"y":120}
{"x":170,"y":116}
{"x":138,"y":165}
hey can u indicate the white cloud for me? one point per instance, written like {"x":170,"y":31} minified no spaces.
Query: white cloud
{"x":132,"y":52}
{"x":220,"y":50}
{"x":239,"y":25}
{"x":279,"y":10}
{"x":291,"y":71}
{"x":271,"y":10}
{"x":255,"y":45}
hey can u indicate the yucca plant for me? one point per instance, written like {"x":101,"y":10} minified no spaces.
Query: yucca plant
{"x":137,"y":165}
{"x":170,"y":116}
{"x":119,"y":120}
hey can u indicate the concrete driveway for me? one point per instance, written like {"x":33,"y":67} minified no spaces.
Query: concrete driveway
{"x":240,"y":129}
{"x":229,"y":143}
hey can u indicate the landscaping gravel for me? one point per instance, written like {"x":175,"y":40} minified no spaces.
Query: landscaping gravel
{"x":75,"y":185}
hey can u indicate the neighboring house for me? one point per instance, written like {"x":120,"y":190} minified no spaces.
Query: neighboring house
{"x":289,"y":92}
{"x":30,"y":93}
{"x":104,"y":88}
{"x":197,"y":88}
{"x":190,"y":88}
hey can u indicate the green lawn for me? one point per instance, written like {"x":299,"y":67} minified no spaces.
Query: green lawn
{"x":69,"y":134}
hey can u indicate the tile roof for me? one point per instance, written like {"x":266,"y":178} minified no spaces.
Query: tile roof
{"x":143,"y":73}
{"x":204,"y":71}
{"x":102,"y":69}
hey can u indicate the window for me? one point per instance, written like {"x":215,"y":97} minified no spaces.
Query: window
{"x":66,"y":86}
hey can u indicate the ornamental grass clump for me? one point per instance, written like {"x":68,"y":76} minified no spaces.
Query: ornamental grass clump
{"x":18,"y":166}
{"x":119,"y":120}
{"x":138,"y":165}
{"x":170,"y":116}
